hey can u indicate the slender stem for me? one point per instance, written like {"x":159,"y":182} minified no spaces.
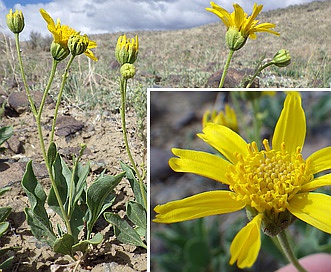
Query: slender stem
{"x":122,"y":111}
{"x":37,"y":116}
{"x":288,"y":252}
{"x":226,"y":67}
{"x":48,"y":86}
{"x":256,"y":73}
{"x":18,"y":49}
{"x":40,"y":110}
{"x":64,"y":79}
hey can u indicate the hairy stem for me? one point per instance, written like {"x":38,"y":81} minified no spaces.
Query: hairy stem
{"x":288,"y":252}
{"x":226,"y":67}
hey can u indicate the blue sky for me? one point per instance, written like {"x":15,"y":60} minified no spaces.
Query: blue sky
{"x":11,"y":3}
{"x":102,"y":16}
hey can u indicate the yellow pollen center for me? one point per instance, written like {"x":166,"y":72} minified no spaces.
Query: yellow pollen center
{"x":266,"y":180}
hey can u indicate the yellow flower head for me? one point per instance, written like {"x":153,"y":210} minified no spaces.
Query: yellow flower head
{"x":62,"y":33}
{"x":226,"y":118}
{"x":273,"y":184}
{"x":126,"y":51}
{"x":79,"y":44}
{"x":239,"y":26}
{"x":15,"y":21}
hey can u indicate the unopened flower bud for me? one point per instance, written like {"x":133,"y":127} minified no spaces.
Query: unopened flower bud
{"x":58,"y":51}
{"x":15,"y":21}
{"x":234,"y":39}
{"x":128,"y":70}
{"x":126,"y":51}
{"x":282,"y":58}
{"x":78,"y":44}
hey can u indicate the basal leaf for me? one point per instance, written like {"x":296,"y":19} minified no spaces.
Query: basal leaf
{"x":97,"y":193}
{"x":83,"y":245}
{"x":64,"y":244}
{"x":124,"y":232}
{"x":4,"y":190}
{"x":7,"y":263}
{"x":5,"y":133}
{"x":4,"y":213}
{"x":3,"y":227}
{"x":41,"y":230}
{"x":36,"y":195}
{"x":137,"y":215}
{"x":80,"y":185}
{"x":134,"y":183}
{"x":62,"y":176}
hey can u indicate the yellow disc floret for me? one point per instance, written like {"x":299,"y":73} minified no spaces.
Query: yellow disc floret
{"x":266,"y":180}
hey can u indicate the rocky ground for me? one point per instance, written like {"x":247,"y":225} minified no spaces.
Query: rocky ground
{"x":102,"y":134}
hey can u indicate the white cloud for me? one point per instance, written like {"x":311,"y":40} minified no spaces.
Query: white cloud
{"x":100,"y":16}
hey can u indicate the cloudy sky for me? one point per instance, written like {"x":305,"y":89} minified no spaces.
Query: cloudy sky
{"x":101,"y":16}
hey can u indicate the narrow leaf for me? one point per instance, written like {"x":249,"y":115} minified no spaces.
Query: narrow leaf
{"x":62,"y":175}
{"x":51,"y":153}
{"x":124,"y":232}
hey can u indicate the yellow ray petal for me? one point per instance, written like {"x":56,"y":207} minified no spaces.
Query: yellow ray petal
{"x":200,"y":163}
{"x":47,"y":17}
{"x":197,"y":206}
{"x":324,"y":180}
{"x":312,"y":208}
{"x":320,"y":160}
{"x":246,"y":244}
{"x":225,"y":140}
{"x":291,"y":125}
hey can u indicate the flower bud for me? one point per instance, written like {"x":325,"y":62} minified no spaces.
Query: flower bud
{"x":58,"y":51}
{"x":15,"y":21}
{"x":226,"y":118}
{"x":234,"y":39}
{"x":282,"y":58}
{"x":128,"y":70}
{"x":126,"y":51}
{"x":78,"y":44}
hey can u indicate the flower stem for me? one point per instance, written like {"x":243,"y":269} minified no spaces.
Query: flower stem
{"x":18,"y":49}
{"x":226,"y":67}
{"x":64,"y":79}
{"x":122,"y":111}
{"x":256,"y":73}
{"x":288,"y":252}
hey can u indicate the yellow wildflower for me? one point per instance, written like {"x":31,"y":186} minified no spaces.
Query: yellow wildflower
{"x":274,"y":184}
{"x":79,"y":44}
{"x":227,"y":118}
{"x":239,"y":26}
{"x":126,"y":51}
{"x":62,"y":33}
